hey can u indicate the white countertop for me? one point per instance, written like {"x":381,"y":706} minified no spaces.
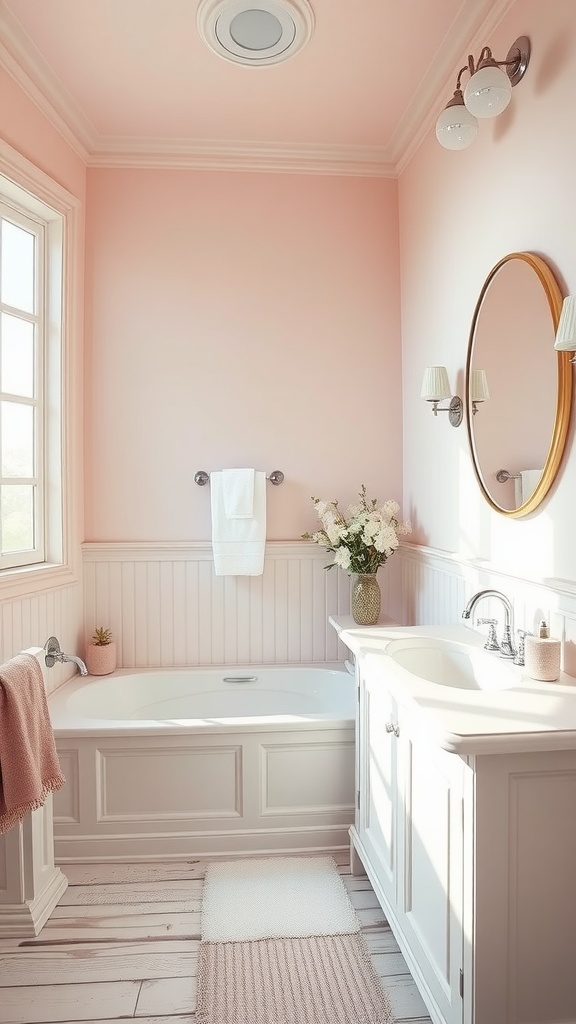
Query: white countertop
{"x":528,"y":716}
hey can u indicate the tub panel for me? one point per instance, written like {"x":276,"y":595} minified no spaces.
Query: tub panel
{"x":211,"y":785}
{"x":307,"y":777}
{"x":67,"y":799}
{"x":143,"y":783}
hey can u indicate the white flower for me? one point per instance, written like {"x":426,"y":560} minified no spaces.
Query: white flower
{"x":355,"y":527}
{"x":342,"y":558}
{"x":371,"y":529}
{"x":390,"y":508}
{"x":321,"y":538}
{"x":386,"y":539}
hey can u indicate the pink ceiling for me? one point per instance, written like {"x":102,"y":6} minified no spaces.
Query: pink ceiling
{"x":139,"y":69}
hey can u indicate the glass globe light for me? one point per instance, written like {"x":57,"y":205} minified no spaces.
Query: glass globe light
{"x":488,"y":92}
{"x":456,"y":128}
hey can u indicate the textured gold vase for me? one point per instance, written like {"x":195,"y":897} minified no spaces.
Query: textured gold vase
{"x":366,"y":600}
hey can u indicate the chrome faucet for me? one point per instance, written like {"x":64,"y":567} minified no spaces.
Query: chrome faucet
{"x":505,"y":646}
{"x":54,"y":654}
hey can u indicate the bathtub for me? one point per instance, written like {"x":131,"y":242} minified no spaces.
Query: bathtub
{"x":181,"y":763}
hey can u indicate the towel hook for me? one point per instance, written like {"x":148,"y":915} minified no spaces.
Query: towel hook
{"x":202,"y":477}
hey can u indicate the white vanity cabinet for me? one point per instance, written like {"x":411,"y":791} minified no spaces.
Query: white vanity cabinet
{"x":409,"y":836}
{"x":471,"y":851}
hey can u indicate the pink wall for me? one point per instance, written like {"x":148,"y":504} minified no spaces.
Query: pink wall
{"x":232,"y":320}
{"x":459,"y":214}
{"x":24,"y":127}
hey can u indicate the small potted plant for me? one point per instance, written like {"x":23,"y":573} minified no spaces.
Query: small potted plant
{"x":101,"y":653}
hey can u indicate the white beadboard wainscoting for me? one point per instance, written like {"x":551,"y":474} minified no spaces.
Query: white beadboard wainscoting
{"x":166,"y":607}
{"x":436,"y":585}
{"x":28,"y":621}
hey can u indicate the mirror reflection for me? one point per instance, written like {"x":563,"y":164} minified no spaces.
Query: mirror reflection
{"x":517,"y":386}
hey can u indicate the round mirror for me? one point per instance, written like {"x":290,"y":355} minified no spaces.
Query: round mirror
{"x":518,"y":389}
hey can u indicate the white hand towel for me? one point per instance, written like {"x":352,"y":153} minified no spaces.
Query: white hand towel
{"x":525,"y":484}
{"x":238,"y":493}
{"x":238,"y":544}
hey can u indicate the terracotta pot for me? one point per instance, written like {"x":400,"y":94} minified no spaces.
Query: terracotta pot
{"x":100,"y":661}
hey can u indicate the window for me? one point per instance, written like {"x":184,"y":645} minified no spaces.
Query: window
{"x":22,"y":333}
{"x":40,"y":409}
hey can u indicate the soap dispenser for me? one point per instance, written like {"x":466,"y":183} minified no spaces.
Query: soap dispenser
{"x":542,"y":656}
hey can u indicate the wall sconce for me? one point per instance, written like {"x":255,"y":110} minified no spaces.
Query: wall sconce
{"x":478,"y":389}
{"x":487,"y":93}
{"x":566,"y":332}
{"x":435,"y":388}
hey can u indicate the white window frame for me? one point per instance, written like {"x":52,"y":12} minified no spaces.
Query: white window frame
{"x":41,"y":398}
{"x":35,"y":195}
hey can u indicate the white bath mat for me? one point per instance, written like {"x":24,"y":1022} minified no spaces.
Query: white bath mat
{"x":275,"y":897}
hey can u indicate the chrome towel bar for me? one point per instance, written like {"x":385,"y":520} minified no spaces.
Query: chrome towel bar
{"x":503,"y":475}
{"x":202,"y":477}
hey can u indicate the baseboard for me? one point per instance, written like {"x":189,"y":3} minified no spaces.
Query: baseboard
{"x":25,"y":920}
{"x":139,"y":849}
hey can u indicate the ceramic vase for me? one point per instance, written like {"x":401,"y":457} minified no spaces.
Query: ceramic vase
{"x":365,"y":599}
{"x":101,"y":660}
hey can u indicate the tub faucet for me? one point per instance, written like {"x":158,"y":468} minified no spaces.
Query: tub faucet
{"x":53,"y":654}
{"x":505,"y":646}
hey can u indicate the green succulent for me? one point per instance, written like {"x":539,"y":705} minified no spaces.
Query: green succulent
{"x":102,"y":637}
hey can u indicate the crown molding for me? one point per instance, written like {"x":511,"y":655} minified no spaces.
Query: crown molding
{"x":26,"y":65}
{"x":217,"y":155}
{"x":474,"y":23}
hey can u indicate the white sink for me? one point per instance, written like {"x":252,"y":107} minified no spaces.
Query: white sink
{"x":451,"y":663}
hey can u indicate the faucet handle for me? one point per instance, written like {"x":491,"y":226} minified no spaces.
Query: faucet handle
{"x":491,"y":640}
{"x":52,"y":651}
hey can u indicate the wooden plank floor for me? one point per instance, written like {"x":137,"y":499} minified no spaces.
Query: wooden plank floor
{"x":123,"y":943}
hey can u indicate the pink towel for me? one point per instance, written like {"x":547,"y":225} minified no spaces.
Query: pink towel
{"x":29,"y":765}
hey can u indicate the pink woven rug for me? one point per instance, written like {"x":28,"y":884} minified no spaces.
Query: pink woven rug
{"x":323,"y":979}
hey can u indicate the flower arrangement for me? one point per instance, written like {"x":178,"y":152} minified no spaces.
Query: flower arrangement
{"x":364,"y":538}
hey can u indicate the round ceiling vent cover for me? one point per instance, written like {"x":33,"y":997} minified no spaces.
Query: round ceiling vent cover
{"x":255,"y":32}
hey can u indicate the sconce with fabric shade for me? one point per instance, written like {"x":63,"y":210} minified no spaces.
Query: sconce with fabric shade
{"x":566,"y":330}
{"x":436,"y":388}
{"x":478,"y":388}
{"x":487,"y":93}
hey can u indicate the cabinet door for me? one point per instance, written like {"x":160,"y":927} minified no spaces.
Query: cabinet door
{"x":431,"y":902}
{"x":377,"y":824}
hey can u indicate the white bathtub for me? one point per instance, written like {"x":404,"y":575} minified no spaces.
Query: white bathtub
{"x":201,"y":698}
{"x":177,"y":763}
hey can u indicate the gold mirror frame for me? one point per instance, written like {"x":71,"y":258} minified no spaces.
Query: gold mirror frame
{"x":564,"y":388}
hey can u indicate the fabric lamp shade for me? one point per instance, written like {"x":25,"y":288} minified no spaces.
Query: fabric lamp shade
{"x":566,"y":333}
{"x":435,"y":386}
{"x":479,"y":386}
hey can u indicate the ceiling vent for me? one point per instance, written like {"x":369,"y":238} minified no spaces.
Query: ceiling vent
{"x":255,"y":32}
